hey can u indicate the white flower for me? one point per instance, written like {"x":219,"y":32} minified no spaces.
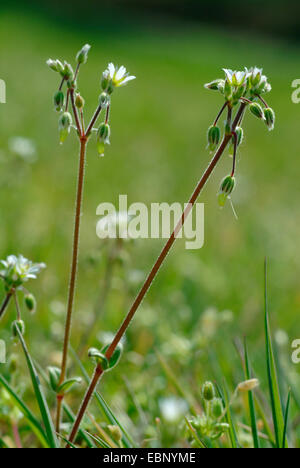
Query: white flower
{"x":118,"y":76}
{"x":235,"y":78}
{"x":18,"y":270}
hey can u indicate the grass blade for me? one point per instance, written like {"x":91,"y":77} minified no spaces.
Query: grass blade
{"x":277,"y":413}
{"x":41,"y":400}
{"x":228,"y":416}
{"x":29,"y":416}
{"x":126,"y":439}
{"x":286,"y":418}
{"x":251,"y":400}
{"x":99,"y":441}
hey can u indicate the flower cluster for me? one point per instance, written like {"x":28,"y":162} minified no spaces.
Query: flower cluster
{"x":18,"y":270}
{"x":209,"y":424}
{"x":113,"y":77}
{"x":246,"y":88}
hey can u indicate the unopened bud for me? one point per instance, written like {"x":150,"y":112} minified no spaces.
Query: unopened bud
{"x":104,"y":99}
{"x":217,"y":407}
{"x":115,"y":432}
{"x":105,"y":80}
{"x":213,"y":137}
{"x":239,"y":135}
{"x":18,"y":325}
{"x":64,"y":125}
{"x":67,"y":72}
{"x":30,"y":302}
{"x":214,"y":85}
{"x":79,"y":101}
{"x":248,"y":385}
{"x":82,"y":55}
{"x":269,"y":115}
{"x":226,"y":188}
{"x":227,"y":90}
{"x":52,"y":64}
{"x":103,"y":135}
{"x":59,"y":100}
{"x":208,"y":391}
{"x":256,"y":110}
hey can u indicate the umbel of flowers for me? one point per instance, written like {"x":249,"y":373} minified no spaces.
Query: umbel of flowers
{"x":248,"y":87}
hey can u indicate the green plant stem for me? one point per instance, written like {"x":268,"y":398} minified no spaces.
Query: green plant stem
{"x":155,"y":269}
{"x":73,"y":275}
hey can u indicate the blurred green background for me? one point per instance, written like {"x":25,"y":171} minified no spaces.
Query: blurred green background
{"x":202,"y":300}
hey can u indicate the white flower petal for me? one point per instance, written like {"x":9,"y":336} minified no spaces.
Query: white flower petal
{"x":121,"y":72}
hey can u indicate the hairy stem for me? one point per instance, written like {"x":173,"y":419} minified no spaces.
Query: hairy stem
{"x":155,"y":269}
{"x":73,"y":275}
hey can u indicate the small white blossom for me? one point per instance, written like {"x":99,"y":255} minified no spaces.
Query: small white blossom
{"x":118,"y":76}
{"x":18,"y":270}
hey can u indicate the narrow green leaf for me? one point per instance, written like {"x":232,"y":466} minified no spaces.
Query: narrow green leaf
{"x":286,"y":419}
{"x":68,"y":384}
{"x":99,"y":441}
{"x":29,"y":416}
{"x":251,"y":400}
{"x":41,"y":400}
{"x":277,"y":413}
{"x":228,"y":416}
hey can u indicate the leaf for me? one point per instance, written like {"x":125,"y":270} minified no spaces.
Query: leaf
{"x":114,"y":360}
{"x":31,"y":419}
{"x":41,"y":400}
{"x":286,"y":418}
{"x":68,"y":384}
{"x":251,"y":400}
{"x":100,"y":441}
{"x":277,"y":413}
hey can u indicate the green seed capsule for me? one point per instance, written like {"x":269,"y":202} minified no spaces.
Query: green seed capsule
{"x":240,"y":135}
{"x":226,"y":188}
{"x":269,"y":115}
{"x":256,"y":110}
{"x":215,"y":85}
{"x":54,"y":377}
{"x":208,"y":391}
{"x":217,"y":407}
{"x":79,"y":101}
{"x":213,"y":137}
{"x":18,"y":325}
{"x":30,"y":302}
{"x":103,"y":135}
{"x":59,"y":99}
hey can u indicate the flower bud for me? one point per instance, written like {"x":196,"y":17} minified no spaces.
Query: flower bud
{"x":226,"y":188}
{"x":217,"y":407}
{"x":239,"y":135}
{"x":82,"y":55}
{"x":106,"y":81}
{"x":67,"y":72}
{"x":13,"y":363}
{"x":115,"y":432}
{"x":213,"y":137}
{"x":104,"y":99}
{"x":30,"y":302}
{"x":79,"y":101}
{"x":52,"y":64}
{"x":18,"y":325}
{"x":248,"y":385}
{"x":208,"y":391}
{"x":64,"y":125}
{"x":60,"y":67}
{"x":103,"y":135}
{"x":59,"y":99}
{"x":256,"y":110}
{"x":215,"y":85}
{"x":269,"y":115}
{"x":227,"y":90}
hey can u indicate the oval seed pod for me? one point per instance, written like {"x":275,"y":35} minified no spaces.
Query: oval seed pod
{"x":59,"y":99}
{"x":269,"y":115}
{"x":226,"y":188}
{"x":213,"y":137}
{"x":208,"y":391}
{"x":256,"y":110}
{"x":18,"y":325}
{"x":30,"y":302}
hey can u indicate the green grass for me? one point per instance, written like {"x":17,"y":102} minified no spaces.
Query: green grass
{"x":202,"y":300}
